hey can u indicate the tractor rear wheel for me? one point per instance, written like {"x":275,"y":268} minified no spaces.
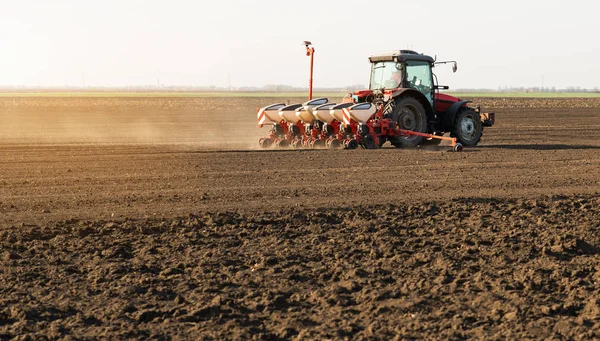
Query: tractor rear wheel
{"x":468,"y":127}
{"x":408,"y":114}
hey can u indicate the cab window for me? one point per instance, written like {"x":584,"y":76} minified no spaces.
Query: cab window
{"x":418,"y":76}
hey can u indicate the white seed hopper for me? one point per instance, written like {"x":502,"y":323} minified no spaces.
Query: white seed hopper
{"x":305,"y":112}
{"x":269,"y":114}
{"x":321,"y":112}
{"x":288,"y":113}
{"x":337,"y":111}
{"x":362,"y":112}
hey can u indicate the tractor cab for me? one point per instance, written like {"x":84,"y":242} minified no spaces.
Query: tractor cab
{"x":407,"y":69}
{"x":402,"y":69}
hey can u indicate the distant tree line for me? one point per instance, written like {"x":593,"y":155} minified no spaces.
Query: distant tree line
{"x":547,"y":89}
{"x":282,"y":88}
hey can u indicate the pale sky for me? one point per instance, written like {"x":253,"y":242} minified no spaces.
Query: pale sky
{"x":259,"y":42}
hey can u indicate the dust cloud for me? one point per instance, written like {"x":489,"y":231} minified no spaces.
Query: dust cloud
{"x":210,"y":123}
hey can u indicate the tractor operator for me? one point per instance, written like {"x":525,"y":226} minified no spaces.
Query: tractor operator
{"x":396,"y":78}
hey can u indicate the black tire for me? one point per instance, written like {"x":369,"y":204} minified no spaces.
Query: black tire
{"x":408,"y":113}
{"x":467,"y":127}
{"x":351,"y":144}
{"x":369,"y":142}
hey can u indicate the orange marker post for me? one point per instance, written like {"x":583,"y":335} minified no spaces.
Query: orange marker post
{"x":310,"y":52}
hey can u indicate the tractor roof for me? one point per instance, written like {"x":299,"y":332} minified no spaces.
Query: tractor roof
{"x":401,"y":56}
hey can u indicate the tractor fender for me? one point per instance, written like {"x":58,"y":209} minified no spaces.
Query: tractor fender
{"x":416,"y":94}
{"x":451,"y":113}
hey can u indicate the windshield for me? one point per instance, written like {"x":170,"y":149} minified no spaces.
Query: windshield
{"x":385,"y":75}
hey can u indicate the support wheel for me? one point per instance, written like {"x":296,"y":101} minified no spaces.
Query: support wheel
{"x":408,"y":113}
{"x":283,"y":143}
{"x":458,"y":147}
{"x":369,"y":142}
{"x":468,"y":127}
{"x":335,"y":144}
{"x":265,"y":142}
{"x":317,"y":144}
{"x":351,"y":144}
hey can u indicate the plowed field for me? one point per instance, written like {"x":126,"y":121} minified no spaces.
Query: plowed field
{"x":160,"y":218}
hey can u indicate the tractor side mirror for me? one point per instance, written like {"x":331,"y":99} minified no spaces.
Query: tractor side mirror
{"x":454,"y":67}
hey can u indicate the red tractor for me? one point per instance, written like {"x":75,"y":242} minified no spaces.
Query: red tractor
{"x":403,"y":105}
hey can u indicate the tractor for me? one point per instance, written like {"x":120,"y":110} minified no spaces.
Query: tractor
{"x":403,"y":105}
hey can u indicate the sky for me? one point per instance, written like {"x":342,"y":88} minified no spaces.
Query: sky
{"x":47,"y":43}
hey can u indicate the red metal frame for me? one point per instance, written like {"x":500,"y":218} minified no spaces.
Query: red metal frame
{"x":377,"y":122}
{"x":345,"y":133}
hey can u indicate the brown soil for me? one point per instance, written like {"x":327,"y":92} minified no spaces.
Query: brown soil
{"x":155,"y":218}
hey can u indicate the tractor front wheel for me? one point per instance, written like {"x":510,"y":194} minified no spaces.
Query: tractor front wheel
{"x":408,"y":114}
{"x":468,"y":127}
